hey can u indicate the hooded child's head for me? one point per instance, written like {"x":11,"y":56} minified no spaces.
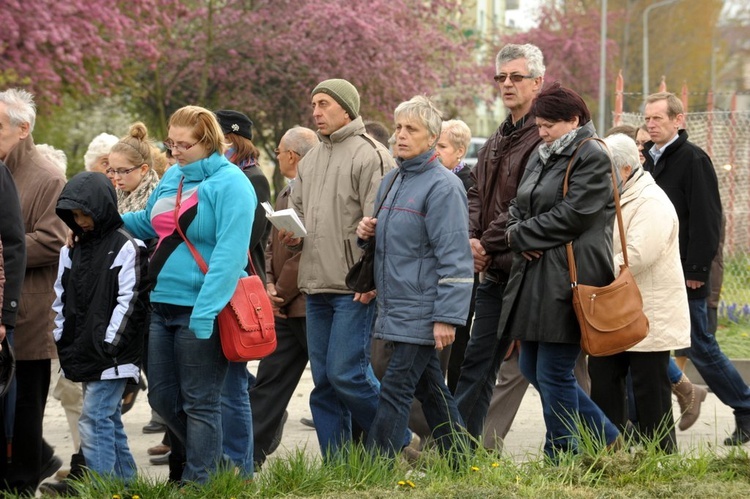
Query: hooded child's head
{"x":88,"y":204}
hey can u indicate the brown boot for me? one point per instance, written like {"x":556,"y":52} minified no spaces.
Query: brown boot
{"x":690,"y":397}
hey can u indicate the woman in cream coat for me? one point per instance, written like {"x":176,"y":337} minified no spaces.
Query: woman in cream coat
{"x":651,"y":229}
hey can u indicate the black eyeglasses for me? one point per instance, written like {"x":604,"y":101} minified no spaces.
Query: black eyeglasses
{"x":179,"y":146}
{"x":121,"y":173}
{"x":514,"y":77}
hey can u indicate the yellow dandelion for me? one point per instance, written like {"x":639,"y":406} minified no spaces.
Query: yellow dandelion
{"x":474,"y":468}
{"x":116,"y":496}
{"x":744,"y":335}
{"x":136,"y":497}
{"x":401,"y":483}
{"x":495,"y":465}
{"x":410,"y":484}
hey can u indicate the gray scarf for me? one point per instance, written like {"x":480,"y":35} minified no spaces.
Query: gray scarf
{"x":136,"y":200}
{"x":558,"y":146}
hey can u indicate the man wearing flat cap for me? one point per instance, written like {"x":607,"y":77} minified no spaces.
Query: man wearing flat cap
{"x":336,"y":185}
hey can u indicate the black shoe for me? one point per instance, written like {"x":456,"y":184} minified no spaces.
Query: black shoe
{"x":307,"y":422}
{"x":740,"y":435}
{"x":58,"y":489}
{"x":153,"y":427}
{"x":279,"y":433}
{"x":50,"y":467}
{"x":160,"y":460}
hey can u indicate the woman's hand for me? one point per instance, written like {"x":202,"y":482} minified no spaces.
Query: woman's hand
{"x":444,"y":334}
{"x":70,"y":239}
{"x":366,"y":228}
{"x":365,"y":298}
{"x":532,"y":254}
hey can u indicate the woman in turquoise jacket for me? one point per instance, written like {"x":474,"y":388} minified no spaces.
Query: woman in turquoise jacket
{"x":186,"y":364}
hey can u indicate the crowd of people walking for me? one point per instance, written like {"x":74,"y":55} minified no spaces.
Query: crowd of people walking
{"x":471,"y":302}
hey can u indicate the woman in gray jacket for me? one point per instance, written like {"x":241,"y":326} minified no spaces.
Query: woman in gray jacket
{"x":424,"y":275}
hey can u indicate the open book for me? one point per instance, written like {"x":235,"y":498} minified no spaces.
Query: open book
{"x":286,"y":219}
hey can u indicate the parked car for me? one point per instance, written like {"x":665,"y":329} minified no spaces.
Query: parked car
{"x":474,"y":147}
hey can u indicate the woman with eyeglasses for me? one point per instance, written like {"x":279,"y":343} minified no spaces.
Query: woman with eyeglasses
{"x":186,"y":364}
{"x":131,"y":162}
{"x":537,"y":305}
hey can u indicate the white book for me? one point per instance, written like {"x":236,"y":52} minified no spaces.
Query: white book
{"x":286,"y":219}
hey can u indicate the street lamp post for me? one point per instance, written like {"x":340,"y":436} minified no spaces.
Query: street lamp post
{"x":602,"y":68}
{"x":646,"y":12}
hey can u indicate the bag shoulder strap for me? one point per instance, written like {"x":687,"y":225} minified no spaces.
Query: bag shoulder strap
{"x":618,"y":211}
{"x":385,"y":195}
{"x":198,"y":258}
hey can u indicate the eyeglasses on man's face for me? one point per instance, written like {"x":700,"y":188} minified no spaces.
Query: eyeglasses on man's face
{"x":278,"y":151}
{"x":177,"y":146}
{"x":514,"y":77}
{"x":121,"y":173}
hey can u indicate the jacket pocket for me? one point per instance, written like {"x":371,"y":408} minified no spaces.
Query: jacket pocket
{"x":348,"y":253}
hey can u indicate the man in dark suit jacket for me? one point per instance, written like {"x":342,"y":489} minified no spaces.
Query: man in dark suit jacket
{"x":686,"y":174}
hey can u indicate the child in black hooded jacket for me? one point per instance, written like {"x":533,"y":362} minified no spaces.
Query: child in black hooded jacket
{"x":102,"y":298}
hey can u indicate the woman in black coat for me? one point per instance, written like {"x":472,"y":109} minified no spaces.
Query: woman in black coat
{"x":537,"y":305}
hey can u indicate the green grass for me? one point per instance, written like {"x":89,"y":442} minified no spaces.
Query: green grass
{"x":593,"y":473}
{"x":734,"y":338}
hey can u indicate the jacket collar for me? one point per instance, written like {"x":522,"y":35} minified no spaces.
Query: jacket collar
{"x":354,"y":127}
{"x":204,"y":168}
{"x":21,"y":155}
{"x":635,"y":185}
{"x":420,"y":163}
{"x":682,"y":137}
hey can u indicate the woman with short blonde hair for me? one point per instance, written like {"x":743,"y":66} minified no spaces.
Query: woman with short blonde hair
{"x":186,"y":364}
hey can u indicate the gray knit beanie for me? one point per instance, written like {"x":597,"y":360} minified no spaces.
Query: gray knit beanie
{"x":342,"y":92}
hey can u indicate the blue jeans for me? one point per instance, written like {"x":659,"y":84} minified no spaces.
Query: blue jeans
{"x":237,"y":418}
{"x":338,"y":342}
{"x":103,"y":439}
{"x":414,"y":370}
{"x":482,"y":359}
{"x":673,"y":372}
{"x":187,"y":375}
{"x":549,"y":367}
{"x":717,"y":371}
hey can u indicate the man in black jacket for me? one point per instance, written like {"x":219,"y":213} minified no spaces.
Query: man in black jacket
{"x":13,"y":237}
{"x":686,"y":174}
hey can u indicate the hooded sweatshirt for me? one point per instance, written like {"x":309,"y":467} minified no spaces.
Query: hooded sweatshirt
{"x":101,"y":288}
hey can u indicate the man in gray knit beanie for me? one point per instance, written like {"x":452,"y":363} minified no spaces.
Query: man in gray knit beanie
{"x":342,"y":92}
{"x":336,"y":185}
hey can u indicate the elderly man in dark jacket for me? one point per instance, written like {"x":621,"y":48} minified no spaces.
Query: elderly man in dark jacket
{"x":39,"y":183}
{"x":686,"y":174}
{"x":499,"y":169}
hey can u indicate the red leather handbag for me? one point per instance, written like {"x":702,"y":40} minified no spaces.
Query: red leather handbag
{"x":246,"y":323}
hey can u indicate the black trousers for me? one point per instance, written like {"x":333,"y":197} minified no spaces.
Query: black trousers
{"x":29,"y":449}
{"x":277,"y":378}
{"x":651,"y":389}
{"x":458,"y":348}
